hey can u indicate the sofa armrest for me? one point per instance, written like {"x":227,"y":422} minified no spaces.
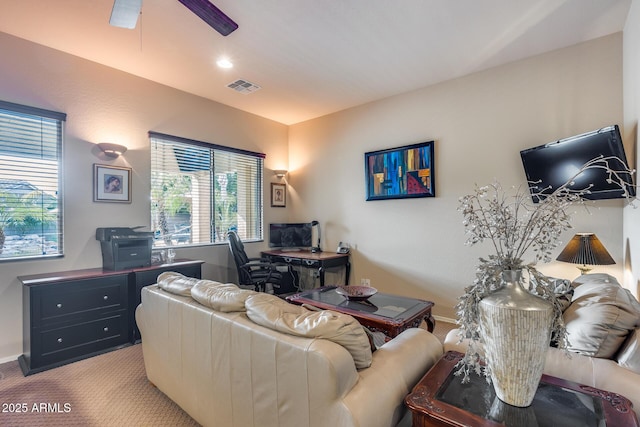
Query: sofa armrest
{"x":396,"y":368}
{"x":452,"y":342}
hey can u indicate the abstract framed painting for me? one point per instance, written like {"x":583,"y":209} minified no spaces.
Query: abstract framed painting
{"x":399,"y":173}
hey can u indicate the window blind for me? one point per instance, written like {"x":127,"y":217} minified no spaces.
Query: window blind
{"x":200,"y":191}
{"x":30,"y":182}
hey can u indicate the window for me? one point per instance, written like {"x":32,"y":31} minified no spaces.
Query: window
{"x":200,"y":191}
{"x":30,"y":182}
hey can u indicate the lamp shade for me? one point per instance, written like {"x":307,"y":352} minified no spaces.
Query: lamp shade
{"x":585,"y":248}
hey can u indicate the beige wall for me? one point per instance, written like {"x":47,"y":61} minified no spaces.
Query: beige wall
{"x":631,"y":85}
{"x":105,"y":105}
{"x":479,"y":123}
{"x":409,"y":247}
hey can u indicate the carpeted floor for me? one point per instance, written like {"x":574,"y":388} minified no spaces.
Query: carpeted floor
{"x":107,"y":390}
{"x":442,"y":329}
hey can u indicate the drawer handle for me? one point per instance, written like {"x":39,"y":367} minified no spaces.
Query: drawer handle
{"x":59,"y":305}
{"x":287,"y":259}
{"x":106,"y":297}
{"x":59,"y":339}
{"x":309,"y":262}
{"x":106,"y":329}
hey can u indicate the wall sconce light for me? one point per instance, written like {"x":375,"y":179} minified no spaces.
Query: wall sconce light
{"x":112,"y":150}
{"x":585,"y":249}
{"x":280,"y":173}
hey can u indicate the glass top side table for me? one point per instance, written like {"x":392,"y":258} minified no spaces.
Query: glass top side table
{"x":440,"y":399}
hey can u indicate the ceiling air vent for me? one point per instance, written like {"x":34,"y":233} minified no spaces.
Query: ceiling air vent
{"x":243,"y":86}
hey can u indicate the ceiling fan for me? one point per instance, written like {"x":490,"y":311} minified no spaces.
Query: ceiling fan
{"x":125,"y":14}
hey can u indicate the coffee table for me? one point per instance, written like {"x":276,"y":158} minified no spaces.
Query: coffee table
{"x":389,"y":314}
{"x":440,"y":399}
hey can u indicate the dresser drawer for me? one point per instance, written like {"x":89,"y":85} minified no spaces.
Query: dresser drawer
{"x":78,"y":299}
{"x":55,"y":345}
{"x":72,"y":315}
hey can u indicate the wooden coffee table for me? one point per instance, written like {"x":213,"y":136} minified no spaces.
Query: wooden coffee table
{"x":440,"y":399}
{"x":389,"y":314}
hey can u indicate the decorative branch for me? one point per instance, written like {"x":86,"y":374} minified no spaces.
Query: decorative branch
{"x":515,"y":225}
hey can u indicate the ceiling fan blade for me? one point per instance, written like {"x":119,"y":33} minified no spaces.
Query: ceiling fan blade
{"x":211,"y":15}
{"x":125,"y":13}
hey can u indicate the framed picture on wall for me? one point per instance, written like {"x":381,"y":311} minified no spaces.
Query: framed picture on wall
{"x":278,"y":195}
{"x":111,"y":184}
{"x":399,"y":173}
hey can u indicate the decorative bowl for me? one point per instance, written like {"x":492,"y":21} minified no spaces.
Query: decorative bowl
{"x":356,"y":293}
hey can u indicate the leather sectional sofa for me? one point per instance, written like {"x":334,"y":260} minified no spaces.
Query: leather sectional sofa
{"x":232,"y":357}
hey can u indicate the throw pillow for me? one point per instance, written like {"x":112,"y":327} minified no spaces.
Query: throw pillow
{"x":564,"y":292}
{"x":629,"y":355}
{"x":176,"y":283}
{"x":601,"y":315}
{"x":226,"y":297}
{"x":274,"y":313}
{"x":561,"y":288}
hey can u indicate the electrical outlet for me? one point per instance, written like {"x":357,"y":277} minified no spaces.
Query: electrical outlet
{"x":365,"y":282}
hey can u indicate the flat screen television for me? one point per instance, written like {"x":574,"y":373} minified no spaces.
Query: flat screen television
{"x":290,"y":235}
{"x":553,"y":164}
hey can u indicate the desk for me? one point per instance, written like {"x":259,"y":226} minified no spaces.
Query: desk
{"x":389,"y":314}
{"x":308,"y":259}
{"x":440,"y":399}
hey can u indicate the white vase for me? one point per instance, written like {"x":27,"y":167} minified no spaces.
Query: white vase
{"x":516,"y":328}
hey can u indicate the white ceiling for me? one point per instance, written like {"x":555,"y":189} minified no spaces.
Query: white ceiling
{"x":313,"y":57}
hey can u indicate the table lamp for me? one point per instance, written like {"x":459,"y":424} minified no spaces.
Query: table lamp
{"x":585,"y":248}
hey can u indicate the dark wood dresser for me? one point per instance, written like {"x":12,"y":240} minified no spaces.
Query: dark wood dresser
{"x":72,"y":315}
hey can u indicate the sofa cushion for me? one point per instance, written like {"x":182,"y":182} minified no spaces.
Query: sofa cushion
{"x":629,"y":354}
{"x":274,"y":313}
{"x":224,"y":297}
{"x":601,"y":315}
{"x":176,"y":283}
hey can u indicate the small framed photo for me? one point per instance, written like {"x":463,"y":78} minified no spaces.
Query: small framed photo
{"x":111,"y":184}
{"x":278,"y":195}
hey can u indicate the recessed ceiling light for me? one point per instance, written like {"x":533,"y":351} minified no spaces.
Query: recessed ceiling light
{"x":224,"y":63}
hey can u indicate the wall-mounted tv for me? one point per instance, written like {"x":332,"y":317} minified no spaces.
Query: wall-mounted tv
{"x":290,"y":235}
{"x":553,"y":164}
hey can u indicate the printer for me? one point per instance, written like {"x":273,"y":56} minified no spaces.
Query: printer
{"x":124,"y":247}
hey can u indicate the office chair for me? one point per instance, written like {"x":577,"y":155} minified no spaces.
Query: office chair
{"x":256,"y":272}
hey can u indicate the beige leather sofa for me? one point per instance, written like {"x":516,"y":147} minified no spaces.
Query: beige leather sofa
{"x":225,"y":370}
{"x":603,"y":325}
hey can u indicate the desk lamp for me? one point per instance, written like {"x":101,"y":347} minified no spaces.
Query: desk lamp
{"x":585,"y":248}
{"x":316,"y":248}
